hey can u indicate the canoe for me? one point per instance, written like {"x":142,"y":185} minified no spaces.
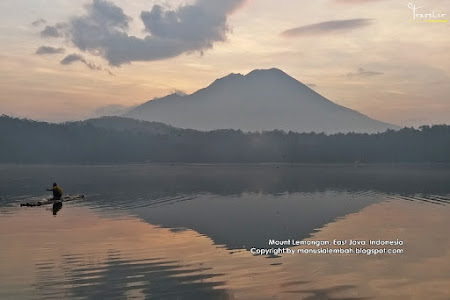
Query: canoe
{"x":51,"y":201}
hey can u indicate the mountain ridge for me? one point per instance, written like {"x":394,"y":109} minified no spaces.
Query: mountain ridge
{"x":262,"y":100}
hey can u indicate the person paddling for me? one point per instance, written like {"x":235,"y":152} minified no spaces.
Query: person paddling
{"x":57,"y":192}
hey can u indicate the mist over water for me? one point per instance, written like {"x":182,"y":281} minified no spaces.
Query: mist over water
{"x":184,"y":231}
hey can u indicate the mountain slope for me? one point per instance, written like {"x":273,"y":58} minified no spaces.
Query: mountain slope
{"x":126,"y":124}
{"x":259,"y":101}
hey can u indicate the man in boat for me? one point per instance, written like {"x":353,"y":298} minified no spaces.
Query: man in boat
{"x":57,"y":192}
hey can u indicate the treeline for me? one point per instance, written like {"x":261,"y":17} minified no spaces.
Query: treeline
{"x":121,"y":140}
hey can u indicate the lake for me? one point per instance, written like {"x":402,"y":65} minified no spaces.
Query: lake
{"x":194,"y":232}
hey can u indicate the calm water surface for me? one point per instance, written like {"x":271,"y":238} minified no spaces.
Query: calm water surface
{"x":184,"y":232}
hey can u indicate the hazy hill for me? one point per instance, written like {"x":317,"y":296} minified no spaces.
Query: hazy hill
{"x":126,"y":124}
{"x":261,"y":100}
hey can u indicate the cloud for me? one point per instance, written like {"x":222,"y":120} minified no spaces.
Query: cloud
{"x":69,"y":59}
{"x":72,"y":58}
{"x":39,"y":22}
{"x":170,"y":32}
{"x":199,"y":24}
{"x":54,"y":31}
{"x":327,"y":27}
{"x":178,"y":92}
{"x":363,"y":73}
{"x":49,"y":50}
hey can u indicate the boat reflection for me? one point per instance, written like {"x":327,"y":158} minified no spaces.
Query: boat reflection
{"x":92,"y":256}
{"x":56,"y":207}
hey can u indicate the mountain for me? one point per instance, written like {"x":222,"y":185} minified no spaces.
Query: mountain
{"x":262,"y":100}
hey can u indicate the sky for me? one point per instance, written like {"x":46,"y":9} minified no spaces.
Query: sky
{"x":64,"y":60}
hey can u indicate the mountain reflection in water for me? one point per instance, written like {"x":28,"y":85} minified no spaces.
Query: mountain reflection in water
{"x":182,"y":232}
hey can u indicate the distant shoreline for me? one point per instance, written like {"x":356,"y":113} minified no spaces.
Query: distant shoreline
{"x":125,"y":141}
